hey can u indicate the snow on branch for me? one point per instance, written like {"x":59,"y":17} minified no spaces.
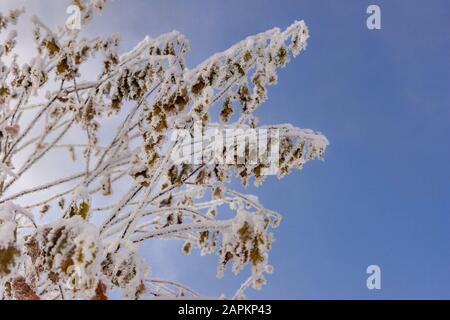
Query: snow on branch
{"x":88,"y":167}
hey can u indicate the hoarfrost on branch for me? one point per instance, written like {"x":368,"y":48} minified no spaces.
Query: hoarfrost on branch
{"x":78,"y":237}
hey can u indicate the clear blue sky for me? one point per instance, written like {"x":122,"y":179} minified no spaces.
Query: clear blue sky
{"x":382,"y":196}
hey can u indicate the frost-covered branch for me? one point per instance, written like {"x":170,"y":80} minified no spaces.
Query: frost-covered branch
{"x":89,"y":172}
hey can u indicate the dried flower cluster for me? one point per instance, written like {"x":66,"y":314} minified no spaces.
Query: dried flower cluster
{"x":63,"y":244}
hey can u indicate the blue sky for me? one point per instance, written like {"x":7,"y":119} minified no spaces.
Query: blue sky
{"x":382,"y":99}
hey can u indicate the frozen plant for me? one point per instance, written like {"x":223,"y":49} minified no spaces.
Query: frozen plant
{"x":78,"y":236}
